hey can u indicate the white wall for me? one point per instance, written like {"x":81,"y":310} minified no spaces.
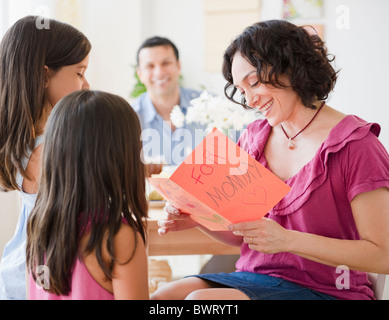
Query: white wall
{"x":9,"y":214}
{"x":182,"y":22}
{"x":113,"y":28}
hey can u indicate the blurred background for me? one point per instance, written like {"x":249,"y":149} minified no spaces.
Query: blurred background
{"x":355,"y":31}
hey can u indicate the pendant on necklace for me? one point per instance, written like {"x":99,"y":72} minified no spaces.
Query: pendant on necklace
{"x":291,"y":144}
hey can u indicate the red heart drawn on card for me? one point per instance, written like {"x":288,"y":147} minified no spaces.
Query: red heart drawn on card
{"x":258,"y":197}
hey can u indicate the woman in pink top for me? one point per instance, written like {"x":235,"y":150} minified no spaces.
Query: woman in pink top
{"x":86,"y":235}
{"x":319,"y":241}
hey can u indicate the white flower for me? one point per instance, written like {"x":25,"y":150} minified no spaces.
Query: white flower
{"x":177,"y":117}
{"x":213,"y":111}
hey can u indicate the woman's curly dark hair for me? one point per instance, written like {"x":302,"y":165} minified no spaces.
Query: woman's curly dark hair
{"x":278,"y":47}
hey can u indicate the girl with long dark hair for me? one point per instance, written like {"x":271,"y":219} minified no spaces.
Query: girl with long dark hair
{"x":37,"y":68}
{"x":87,"y":229}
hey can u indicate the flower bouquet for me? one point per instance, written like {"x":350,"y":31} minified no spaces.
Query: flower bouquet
{"x":210,"y":112}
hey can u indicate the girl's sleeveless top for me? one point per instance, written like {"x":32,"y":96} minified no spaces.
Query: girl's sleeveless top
{"x":84,"y":287}
{"x":13,"y":261}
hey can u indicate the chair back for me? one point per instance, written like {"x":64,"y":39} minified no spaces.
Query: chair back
{"x":378,"y":282}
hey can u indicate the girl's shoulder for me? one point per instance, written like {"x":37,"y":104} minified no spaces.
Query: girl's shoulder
{"x":33,"y":170}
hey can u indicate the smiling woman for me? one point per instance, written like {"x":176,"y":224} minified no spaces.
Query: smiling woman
{"x":284,"y":72}
{"x":283,"y":68}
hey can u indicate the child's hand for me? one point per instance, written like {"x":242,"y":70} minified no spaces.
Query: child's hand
{"x":175,"y":221}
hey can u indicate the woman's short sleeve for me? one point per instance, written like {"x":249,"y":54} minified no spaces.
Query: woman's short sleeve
{"x":366,"y":166}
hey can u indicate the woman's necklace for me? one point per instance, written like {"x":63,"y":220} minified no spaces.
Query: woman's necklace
{"x":291,"y":144}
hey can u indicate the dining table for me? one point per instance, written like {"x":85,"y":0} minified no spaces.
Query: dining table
{"x":186,"y":242}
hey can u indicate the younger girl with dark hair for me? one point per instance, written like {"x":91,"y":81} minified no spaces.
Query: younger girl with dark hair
{"x":37,"y":68}
{"x":87,"y":228}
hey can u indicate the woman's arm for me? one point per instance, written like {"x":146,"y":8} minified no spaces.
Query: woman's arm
{"x":370,"y":254}
{"x":178,"y":221}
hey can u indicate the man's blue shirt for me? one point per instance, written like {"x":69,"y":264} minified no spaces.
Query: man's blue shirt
{"x":157,"y":136}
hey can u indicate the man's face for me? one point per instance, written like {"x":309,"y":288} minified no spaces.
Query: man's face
{"x":159,"y":70}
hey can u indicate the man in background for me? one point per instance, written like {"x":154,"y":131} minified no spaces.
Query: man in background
{"x":158,"y":68}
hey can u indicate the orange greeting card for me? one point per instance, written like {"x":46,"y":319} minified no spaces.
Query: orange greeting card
{"x":219,"y":184}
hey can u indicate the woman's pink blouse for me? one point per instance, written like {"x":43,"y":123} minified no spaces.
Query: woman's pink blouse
{"x":350,"y":161}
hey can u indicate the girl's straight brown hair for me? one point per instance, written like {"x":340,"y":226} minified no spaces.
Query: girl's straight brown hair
{"x":92,"y":178}
{"x":24,"y":52}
